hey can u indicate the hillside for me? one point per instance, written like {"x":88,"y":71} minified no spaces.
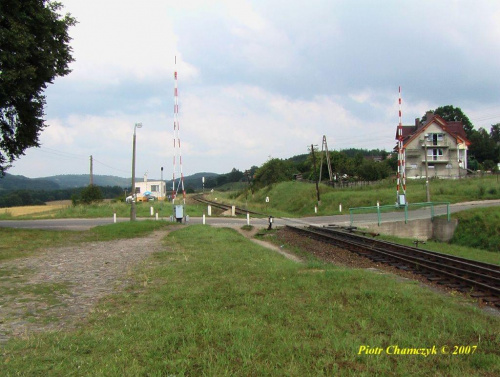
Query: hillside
{"x":18,"y":182}
{"x":67,"y":181}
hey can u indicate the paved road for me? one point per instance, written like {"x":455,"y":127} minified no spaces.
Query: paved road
{"x":85,"y":224}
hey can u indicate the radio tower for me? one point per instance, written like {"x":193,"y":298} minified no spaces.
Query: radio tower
{"x":177,"y":145}
{"x":401,"y":175}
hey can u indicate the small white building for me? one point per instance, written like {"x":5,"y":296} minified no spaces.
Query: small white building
{"x":150,"y":189}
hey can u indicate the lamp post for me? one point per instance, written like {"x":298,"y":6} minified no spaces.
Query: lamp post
{"x":134,"y":197}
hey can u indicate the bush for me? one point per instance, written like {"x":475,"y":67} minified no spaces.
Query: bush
{"x":91,"y":194}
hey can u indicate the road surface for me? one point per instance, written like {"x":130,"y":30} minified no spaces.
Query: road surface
{"x":85,"y":224}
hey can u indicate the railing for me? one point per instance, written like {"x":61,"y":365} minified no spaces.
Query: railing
{"x":391,"y":213}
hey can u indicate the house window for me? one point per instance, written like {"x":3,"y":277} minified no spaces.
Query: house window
{"x":431,"y":166}
{"x":413,"y":166}
{"x":435,"y":138}
{"x":137,"y":190}
{"x":435,"y":154}
{"x":155,"y":188}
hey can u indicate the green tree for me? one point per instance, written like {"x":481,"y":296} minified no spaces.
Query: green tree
{"x":34,"y":50}
{"x":495,"y":133}
{"x":273,"y":171}
{"x":91,"y":194}
{"x":455,"y":114}
{"x":483,"y":147}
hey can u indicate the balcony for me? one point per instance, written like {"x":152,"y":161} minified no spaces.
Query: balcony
{"x":445,"y":143}
{"x":436,"y":159}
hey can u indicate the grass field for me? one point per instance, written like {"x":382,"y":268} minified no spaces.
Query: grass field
{"x":218,"y":305}
{"x":293,"y":199}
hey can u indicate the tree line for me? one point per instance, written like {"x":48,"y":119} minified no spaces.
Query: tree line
{"x":40,"y":197}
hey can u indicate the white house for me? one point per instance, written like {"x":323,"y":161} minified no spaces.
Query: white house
{"x":440,"y":145}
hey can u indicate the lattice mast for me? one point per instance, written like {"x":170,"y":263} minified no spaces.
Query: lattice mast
{"x":177,"y":145}
{"x":401,"y":175}
{"x":324,"y":147}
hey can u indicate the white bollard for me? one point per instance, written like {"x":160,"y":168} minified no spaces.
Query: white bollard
{"x":248,"y":218}
{"x":209,"y":210}
{"x":340,"y":207}
{"x":203,"y":219}
{"x":233,"y":211}
{"x":114,"y":217}
{"x":156,"y":216}
{"x":151,"y":210}
{"x":315,"y":209}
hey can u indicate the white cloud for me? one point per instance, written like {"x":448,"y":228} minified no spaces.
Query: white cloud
{"x":260,"y":78}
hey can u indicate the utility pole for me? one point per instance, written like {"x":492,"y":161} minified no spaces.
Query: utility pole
{"x":315,"y":175}
{"x":427,"y":188}
{"x":91,"y":171}
{"x":324,"y":147}
{"x":134,"y":197}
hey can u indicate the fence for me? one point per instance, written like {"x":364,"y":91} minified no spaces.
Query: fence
{"x":390,"y":213}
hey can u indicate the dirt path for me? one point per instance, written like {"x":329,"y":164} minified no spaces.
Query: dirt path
{"x":59,"y":288}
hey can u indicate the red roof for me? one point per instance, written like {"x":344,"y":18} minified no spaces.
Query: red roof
{"x":454,"y":129}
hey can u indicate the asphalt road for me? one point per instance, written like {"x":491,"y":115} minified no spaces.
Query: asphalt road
{"x":85,"y":224}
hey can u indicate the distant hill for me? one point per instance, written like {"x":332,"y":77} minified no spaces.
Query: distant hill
{"x":68,"y":181}
{"x":19,"y":182}
{"x":194,"y":181}
{"x":83,"y":180}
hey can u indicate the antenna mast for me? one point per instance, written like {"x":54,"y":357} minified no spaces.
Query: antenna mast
{"x":401,"y":176}
{"x":177,"y":144}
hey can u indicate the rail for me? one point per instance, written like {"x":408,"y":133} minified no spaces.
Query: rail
{"x":480,"y":280}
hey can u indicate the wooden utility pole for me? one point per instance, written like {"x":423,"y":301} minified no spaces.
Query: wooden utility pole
{"x":91,"y":171}
{"x":315,"y":175}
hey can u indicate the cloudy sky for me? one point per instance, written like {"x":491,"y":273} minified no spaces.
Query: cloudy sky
{"x":259,"y":79}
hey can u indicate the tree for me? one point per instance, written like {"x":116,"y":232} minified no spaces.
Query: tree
{"x":91,"y":193}
{"x":455,"y":114}
{"x":34,"y":50}
{"x":273,"y":171}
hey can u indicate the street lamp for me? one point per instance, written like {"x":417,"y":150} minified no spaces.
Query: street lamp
{"x":134,"y":196}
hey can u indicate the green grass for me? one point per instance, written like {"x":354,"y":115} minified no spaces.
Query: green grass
{"x":487,"y":220}
{"x":18,"y":243}
{"x":445,"y":248}
{"x":218,"y":305}
{"x":289,"y":199}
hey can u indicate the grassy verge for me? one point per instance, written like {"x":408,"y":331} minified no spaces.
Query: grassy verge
{"x":17,"y":243}
{"x":445,"y":248}
{"x":487,"y":220}
{"x":299,"y":199}
{"x":218,"y":305}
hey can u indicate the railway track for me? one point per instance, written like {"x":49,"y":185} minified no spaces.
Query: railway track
{"x":480,"y":280}
{"x":225,"y":207}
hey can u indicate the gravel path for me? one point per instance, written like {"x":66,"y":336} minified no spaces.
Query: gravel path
{"x":60,"y":287}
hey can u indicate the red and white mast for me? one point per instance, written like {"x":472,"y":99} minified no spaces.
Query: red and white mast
{"x":177,"y":144}
{"x":401,"y":175}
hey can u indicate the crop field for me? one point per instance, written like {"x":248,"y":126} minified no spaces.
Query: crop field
{"x":35,"y":211}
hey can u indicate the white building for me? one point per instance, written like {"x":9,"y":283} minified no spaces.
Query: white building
{"x":150,"y":189}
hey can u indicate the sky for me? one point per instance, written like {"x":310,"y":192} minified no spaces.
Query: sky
{"x":259,"y":79}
